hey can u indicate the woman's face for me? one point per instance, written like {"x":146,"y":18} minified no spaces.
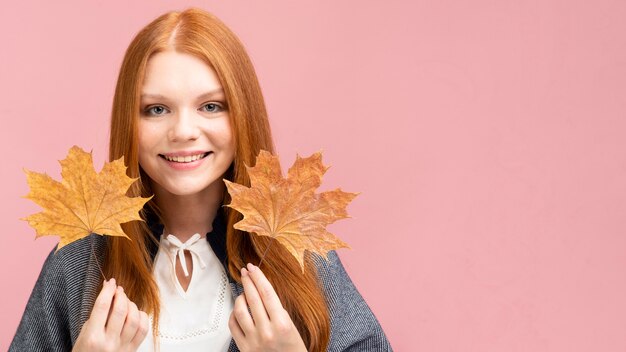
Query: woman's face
{"x":185,"y":137}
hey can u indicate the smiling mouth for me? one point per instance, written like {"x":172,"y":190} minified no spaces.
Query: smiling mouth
{"x":185,"y":159}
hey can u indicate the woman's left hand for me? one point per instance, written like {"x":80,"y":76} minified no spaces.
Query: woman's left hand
{"x":269,"y":328}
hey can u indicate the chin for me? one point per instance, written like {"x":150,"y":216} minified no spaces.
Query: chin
{"x":177,"y":191}
{"x":181,"y":190}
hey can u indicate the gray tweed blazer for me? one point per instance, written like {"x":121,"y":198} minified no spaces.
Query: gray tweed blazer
{"x":65,"y":291}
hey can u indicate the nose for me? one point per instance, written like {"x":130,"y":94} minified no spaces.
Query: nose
{"x":184,"y":127}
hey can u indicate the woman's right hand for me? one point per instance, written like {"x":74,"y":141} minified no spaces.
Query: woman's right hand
{"x":115,"y":324}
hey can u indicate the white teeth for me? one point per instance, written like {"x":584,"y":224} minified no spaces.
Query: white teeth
{"x":184,"y":159}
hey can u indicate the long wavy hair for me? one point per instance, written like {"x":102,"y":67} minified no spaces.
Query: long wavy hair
{"x":199,"y":33}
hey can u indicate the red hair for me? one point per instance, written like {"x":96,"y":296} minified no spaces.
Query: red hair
{"x":197,"y":32}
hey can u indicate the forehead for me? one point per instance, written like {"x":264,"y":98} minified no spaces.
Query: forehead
{"x":172,"y":73}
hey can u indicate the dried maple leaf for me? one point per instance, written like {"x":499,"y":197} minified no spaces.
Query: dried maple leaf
{"x":84,"y":202}
{"x":288,"y":209}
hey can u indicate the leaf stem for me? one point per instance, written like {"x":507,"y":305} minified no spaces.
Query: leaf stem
{"x":268,"y":247}
{"x":97,"y":261}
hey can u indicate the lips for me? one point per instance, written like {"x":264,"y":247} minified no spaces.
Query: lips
{"x":184,"y":157}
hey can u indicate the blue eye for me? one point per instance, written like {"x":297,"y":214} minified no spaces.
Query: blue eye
{"x":155,"y":110}
{"x":212,"y":107}
{"x":158,"y":110}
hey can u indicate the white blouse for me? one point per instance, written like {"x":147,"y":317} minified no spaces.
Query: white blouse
{"x":196,"y":319}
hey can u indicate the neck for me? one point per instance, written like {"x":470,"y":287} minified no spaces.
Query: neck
{"x":184,"y":216}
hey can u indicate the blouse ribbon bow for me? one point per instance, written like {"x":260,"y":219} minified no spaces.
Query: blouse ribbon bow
{"x":180,"y":250}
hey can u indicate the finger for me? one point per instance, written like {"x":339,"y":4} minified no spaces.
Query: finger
{"x":235,"y":330}
{"x":129,"y":330}
{"x":240,"y":311}
{"x":142,"y":330}
{"x":269,"y":297}
{"x":102,"y":305}
{"x":118,"y":313}
{"x":253,"y":298}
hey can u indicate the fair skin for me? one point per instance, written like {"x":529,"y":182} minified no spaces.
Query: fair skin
{"x":185,"y":147}
{"x":115,"y":323}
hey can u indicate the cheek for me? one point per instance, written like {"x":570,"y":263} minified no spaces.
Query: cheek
{"x":224,"y":138}
{"x":145,"y":141}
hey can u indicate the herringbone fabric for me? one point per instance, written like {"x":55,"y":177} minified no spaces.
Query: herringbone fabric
{"x":65,"y":291}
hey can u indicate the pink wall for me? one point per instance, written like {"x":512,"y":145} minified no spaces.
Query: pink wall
{"x":486,"y":137}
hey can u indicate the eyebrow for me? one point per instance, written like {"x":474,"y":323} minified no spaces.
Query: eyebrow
{"x":201,"y":96}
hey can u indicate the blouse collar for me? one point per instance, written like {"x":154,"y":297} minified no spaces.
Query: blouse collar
{"x":216,"y":238}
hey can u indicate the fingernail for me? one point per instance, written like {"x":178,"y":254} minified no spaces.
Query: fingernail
{"x":112,"y":281}
{"x":250,"y":267}
{"x":244,"y":272}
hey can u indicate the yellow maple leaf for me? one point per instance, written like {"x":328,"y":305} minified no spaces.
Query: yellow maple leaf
{"x":288,"y":209}
{"x":84,"y":202}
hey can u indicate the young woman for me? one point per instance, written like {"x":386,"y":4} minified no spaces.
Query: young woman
{"x":187,"y":113}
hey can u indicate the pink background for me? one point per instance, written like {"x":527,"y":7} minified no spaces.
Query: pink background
{"x":486,"y":137}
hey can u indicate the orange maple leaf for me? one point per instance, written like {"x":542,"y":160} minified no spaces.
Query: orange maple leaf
{"x":84,"y":202}
{"x":288,"y":209}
